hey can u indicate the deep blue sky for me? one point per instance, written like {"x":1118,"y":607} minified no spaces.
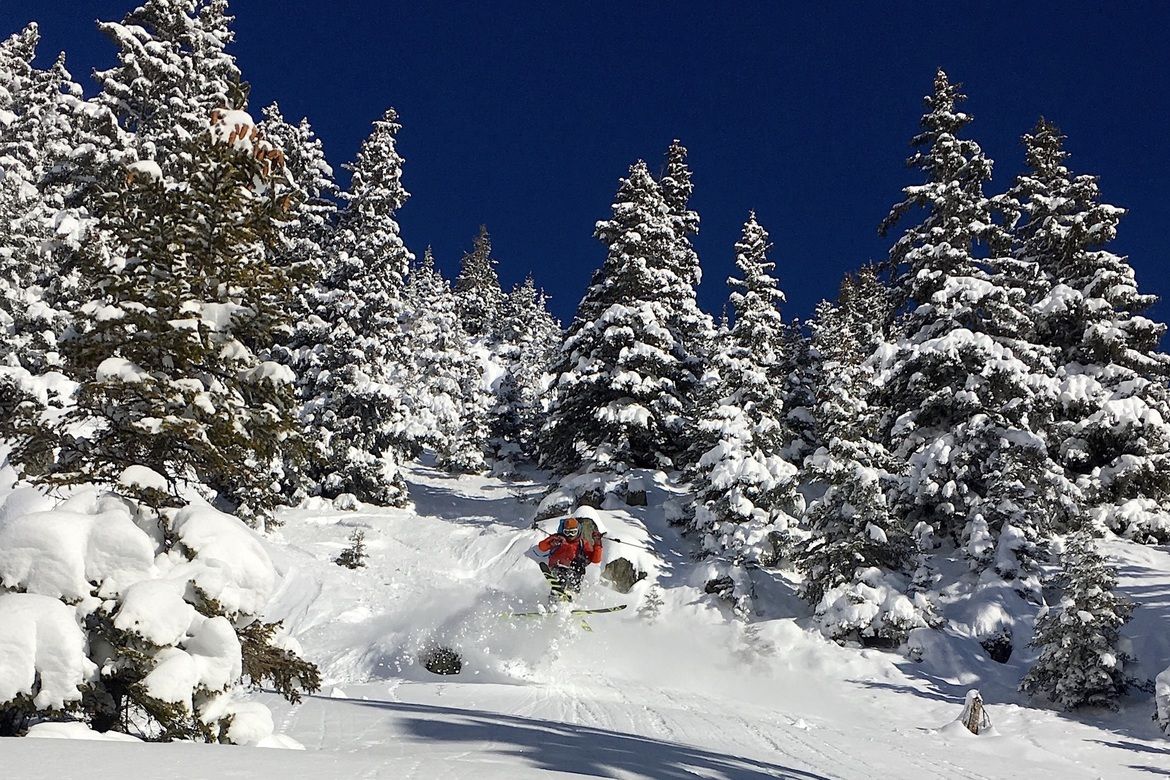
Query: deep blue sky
{"x":523,"y":116}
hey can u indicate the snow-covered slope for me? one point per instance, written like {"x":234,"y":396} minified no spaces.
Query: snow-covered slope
{"x":687,"y":692}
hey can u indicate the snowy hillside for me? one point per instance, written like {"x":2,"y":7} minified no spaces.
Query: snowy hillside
{"x":687,"y":693}
{"x":271,"y":477}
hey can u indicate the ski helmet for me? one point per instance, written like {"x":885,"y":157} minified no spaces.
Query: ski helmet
{"x":571,"y":528}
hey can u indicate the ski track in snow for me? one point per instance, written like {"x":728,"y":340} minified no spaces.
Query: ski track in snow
{"x":688,"y":695}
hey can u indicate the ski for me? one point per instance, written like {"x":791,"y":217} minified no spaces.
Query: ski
{"x":538,"y":613}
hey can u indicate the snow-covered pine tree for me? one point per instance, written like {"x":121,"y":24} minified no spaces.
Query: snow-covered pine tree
{"x":181,"y":282}
{"x":309,"y":227}
{"x":308,"y":234}
{"x":173,"y":70}
{"x":1112,"y":430}
{"x":799,"y":380}
{"x":693,"y":329}
{"x":21,"y":204}
{"x":618,"y":393}
{"x":529,"y":339}
{"x":858,"y":554}
{"x":36,"y":108}
{"x":1082,"y":663}
{"x":355,"y":377}
{"x":447,"y":400}
{"x":478,"y":291}
{"x":960,"y":379}
{"x":746,"y":491}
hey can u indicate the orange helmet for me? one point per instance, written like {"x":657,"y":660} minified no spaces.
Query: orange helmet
{"x":571,"y":528}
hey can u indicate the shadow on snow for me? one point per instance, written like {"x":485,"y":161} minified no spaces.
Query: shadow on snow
{"x":441,"y":496}
{"x":550,"y":746}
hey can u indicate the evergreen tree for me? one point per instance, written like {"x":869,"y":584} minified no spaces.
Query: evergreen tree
{"x":173,"y":71}
{"x":529,"y":340}
{"x":621,"y":374}
{"x":181,"y":283}
{"x":36,"y":108}
{"x":961,"y":380}
{"x":448,"y":402}
{"x":308,"y":232}
{"x":799,"y":379}
{"x":693,"y":329}
{"x":309,"y":228}
{"x":746,"y":491}
{"x":858,"y":552}
{"x":1112,"y":428}
{"x":356,"y":372}
{"x":478,"y":292}
{"x":1081,"y":662}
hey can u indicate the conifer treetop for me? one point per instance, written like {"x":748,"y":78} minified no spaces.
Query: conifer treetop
{"x":677,"y":188}
{"x":173,"y":69}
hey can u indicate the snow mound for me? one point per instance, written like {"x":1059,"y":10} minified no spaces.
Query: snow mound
{"x":144,"y":171}
{"x":89,"y":539}
{"x":42,"y":651}
{"x":234,"y":568}
{"x":76,"y":730}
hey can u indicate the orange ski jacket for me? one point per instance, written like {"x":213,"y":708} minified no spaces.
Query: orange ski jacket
{"x":564,"y":552}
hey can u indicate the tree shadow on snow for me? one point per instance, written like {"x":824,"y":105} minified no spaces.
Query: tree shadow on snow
{"x":551,"y":746}
{"x":452,"y":504}
{"x":1138,"y":747}
{"x":937,"y":690}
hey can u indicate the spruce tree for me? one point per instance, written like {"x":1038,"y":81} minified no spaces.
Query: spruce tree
{"x":446,"y":397}
{"x":961,"y":379}
{"x":308,"y":235}
{"x":181,"y":281}
{"x":621,"y":374}
{"x":1112,"y":427}
{"x":37,"y":110}
{"x":1081,"y":661}
{"x":858,"y":552}
{"x":355,"y":375}
{"x":746,"y":491}
{"x":529,"y":340}
{"x":478,"y":292}
{"x":693,"y":329}
{"x":798,"y":427}
{"x":309,"y":228}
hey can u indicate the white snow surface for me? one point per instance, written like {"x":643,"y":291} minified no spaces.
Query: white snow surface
{"x":681,"y":690}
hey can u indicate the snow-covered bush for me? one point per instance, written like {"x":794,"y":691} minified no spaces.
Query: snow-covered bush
{"x":873,"y":610}
{"x":43,"y":664}
{"x":135,"y":623}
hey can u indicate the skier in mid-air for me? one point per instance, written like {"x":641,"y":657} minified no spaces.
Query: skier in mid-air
{"x":575,"y":545}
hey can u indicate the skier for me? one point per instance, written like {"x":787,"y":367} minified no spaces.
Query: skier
{"x":575,"y":545}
